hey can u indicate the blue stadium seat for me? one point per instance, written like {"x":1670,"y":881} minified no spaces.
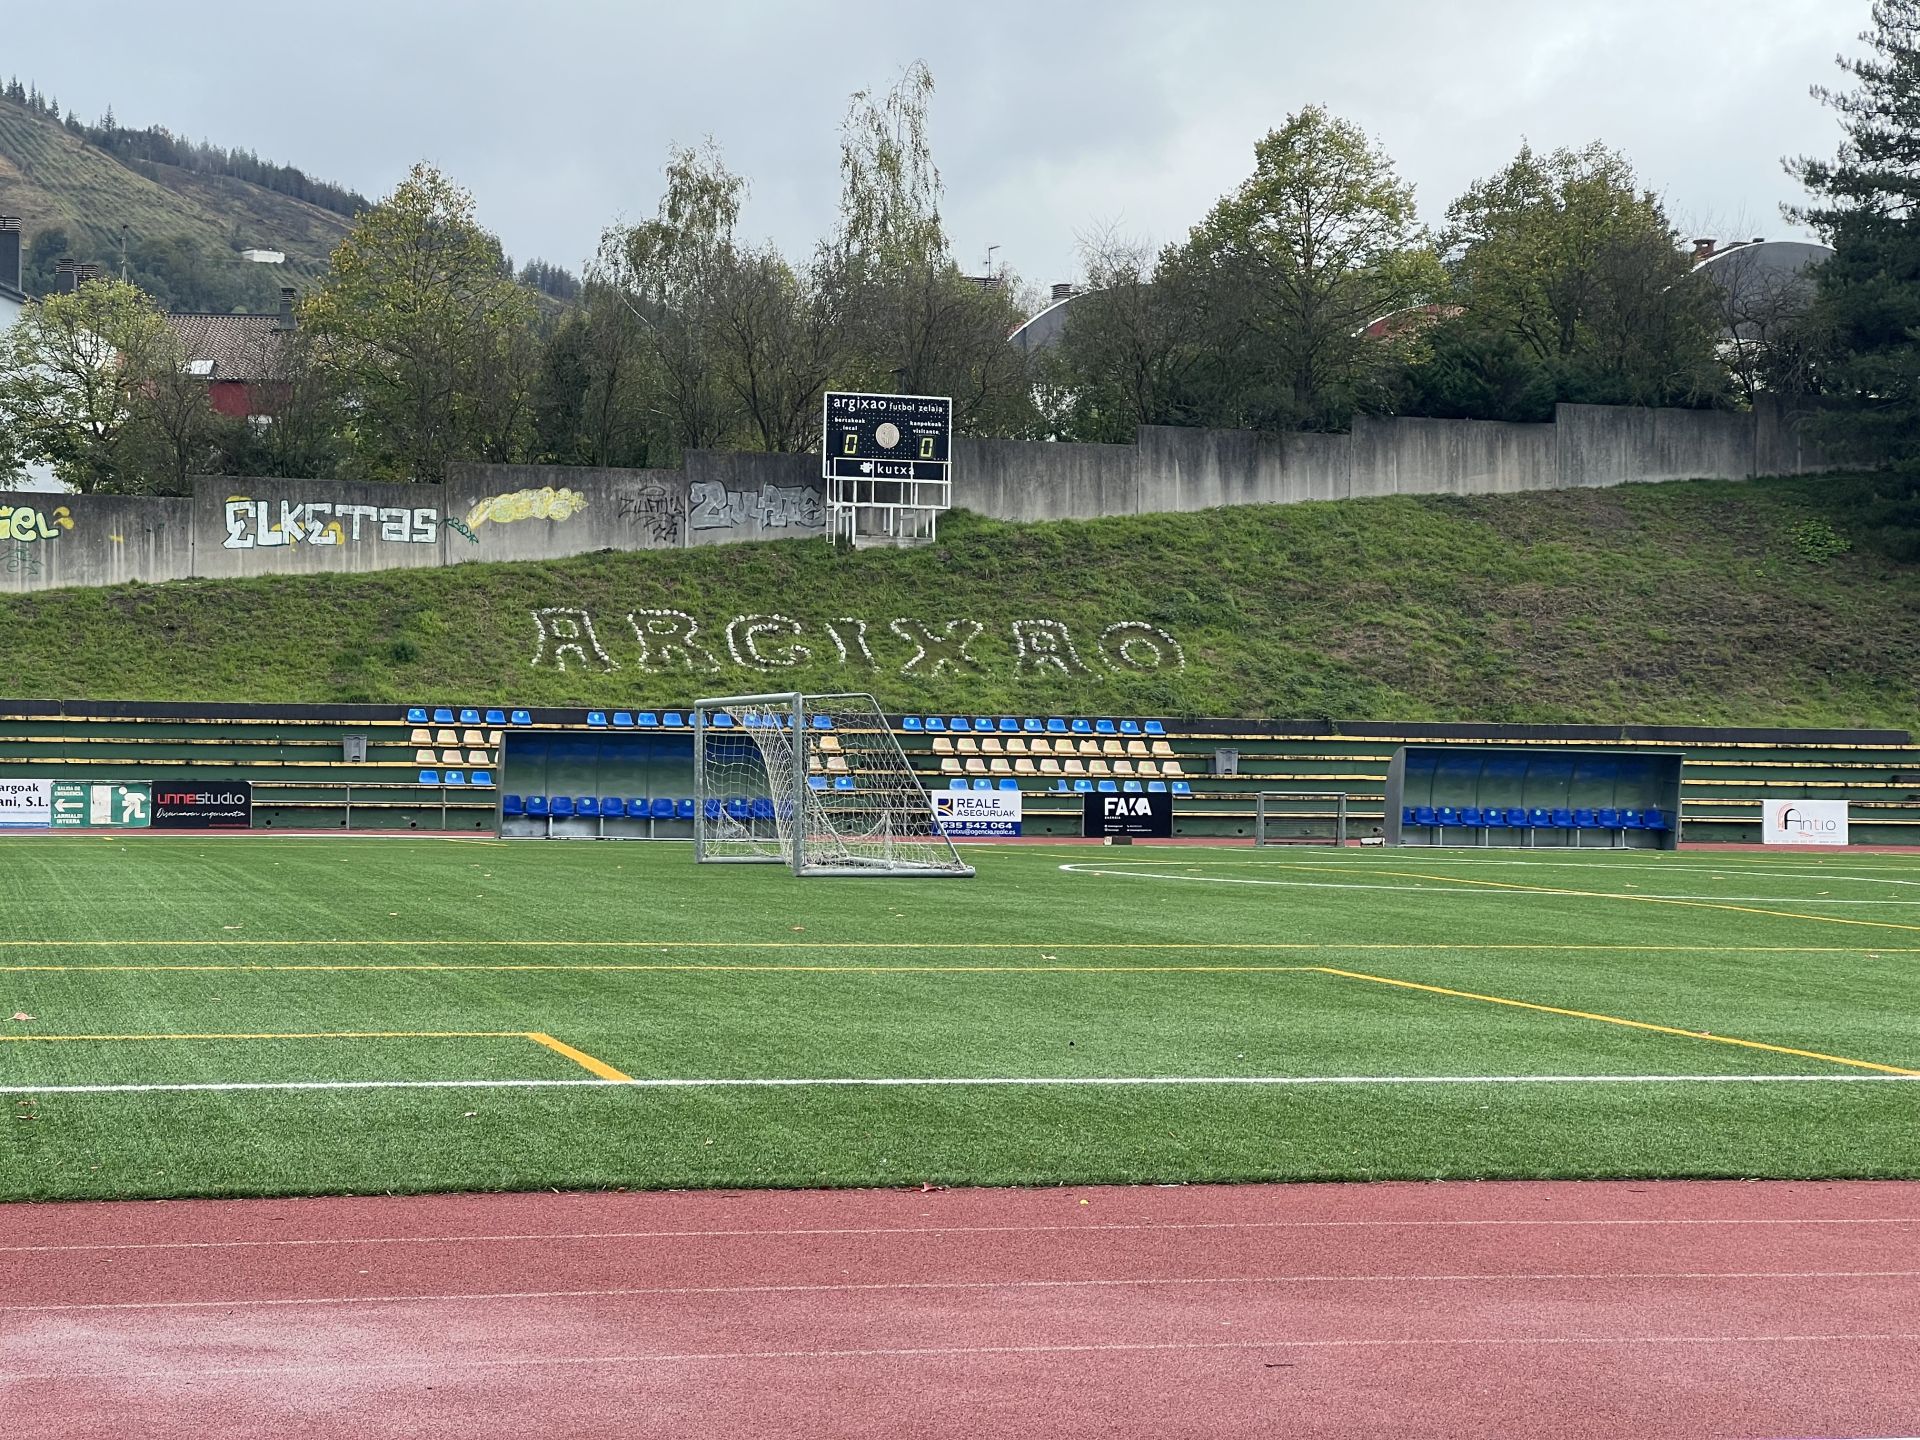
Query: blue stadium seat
{"x":1587,"y":820}
{"x":496,"y":717}
{"x":755,"y":720}
{"x":646,"y":720}
{"x":1494,"y":818}
{"x":1032,"y":726}
{"x":983,"y":783}
{"x":762,"y":808}
{"x":664,"y":809}
{"x":1081,"y":725}
{"x":1607,"y":819}
{"x":1181,"y":787}
{"x":1516,"y":818}
{"x":1631,"y":820}
{"x":1423,"y":815}
{"x":522,"y":717}
{"x":1062,"y":787}
{"x":481,"y":777}
{"x":1107,"y":787}
{"x":983,"y":725}
{"x":822,"y":722}
{"x":623,"y":720}
{"x":597,"y":719}
{"x":958,"y":724}
{"x":1408,"y":816}
{"x":935,"y":725}
{"x":1154,"y":727}
{"x":1083,"y":787}
{"x":711,"y":809}
{"x":1156,"y":787}
{"x":510,"y":805}
{"x":958,"y":783}
{"x":672,"y":721}
{"x":560,"y":805}
{"x":1470,"y":816}
{"x":739,"y":809}
{"x":1105,"y":727}
{"x":1129,"y":727}
{"x":536,"y":805}
{"x":1056,"y":725}
{"x":416,"y":714}
{"x":1539,"y":819}
{"x":683,"y":809}
{"x":816,"y":782}
{"x":1009,"y":725}
{"x":1009,"y":784}
{"x":1130,"y":787}
{"x":612,"y":806}
{"x":636,"y":808}
{"x":587,"y":805}
{"x":469,"y":717}
{"x":1563,"y":819}
{"x":429,"y":777}
{"x":843,"y":782}
{"x":453,"y":777}
{"x":910,"y":722}
{"x":1446,"y":815}
{"x":443,"y":716}
{"x":720,"y":720}
{"x":1654,"y":819}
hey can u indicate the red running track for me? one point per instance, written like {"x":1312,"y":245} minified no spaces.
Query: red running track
{"x":1617,"y":1309}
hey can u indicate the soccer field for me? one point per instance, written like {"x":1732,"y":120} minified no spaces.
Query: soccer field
{"x":262,"y":1016}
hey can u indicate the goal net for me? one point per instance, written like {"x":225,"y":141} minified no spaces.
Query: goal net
{"x":1300,"y":818}
{"x":816,"y":782}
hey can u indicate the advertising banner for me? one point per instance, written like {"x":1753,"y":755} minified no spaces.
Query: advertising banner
{"x":1146,"y":817}
{"x":1803,"y":822}
{"x":203,"y":805}
{"x":26,"y":804}
{"x":964,"y":814}
{"x":100,"y":807}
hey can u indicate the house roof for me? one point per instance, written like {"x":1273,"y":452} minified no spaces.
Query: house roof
{"x":238,"y":347}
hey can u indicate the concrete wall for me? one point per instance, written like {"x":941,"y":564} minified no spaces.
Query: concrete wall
{"x":531,"y":512}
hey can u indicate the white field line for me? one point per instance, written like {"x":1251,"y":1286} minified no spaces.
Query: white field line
{"x":949,"y":1082}
{"x":1440,"y":887}
{"x":1491,"y":1277}
{"x":546,"y":1237}
{"x":523,"y":1361}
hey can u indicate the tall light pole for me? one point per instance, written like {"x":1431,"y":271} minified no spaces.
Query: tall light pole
{"x":990,"y":250}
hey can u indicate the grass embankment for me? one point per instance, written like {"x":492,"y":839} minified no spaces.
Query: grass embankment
{"x":397,"y":967}
{"x":1787,"y":602}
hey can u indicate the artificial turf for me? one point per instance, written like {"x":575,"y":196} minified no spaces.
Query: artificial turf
{"x":432,"y":960}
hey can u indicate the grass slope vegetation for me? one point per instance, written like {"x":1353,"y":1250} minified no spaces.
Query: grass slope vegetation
{"x":1788,"y":602}
{"x":51,"y":177}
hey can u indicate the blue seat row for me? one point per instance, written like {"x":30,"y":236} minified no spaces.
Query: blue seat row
{"x":610,"y":807}
{"x":447,"y":715}
{"x":1474,"y":817}
{"x":843,"y":782}
{"x":456,"y":777}
{"x":983,"y":784}
{"x":1120,"y":787}
{"x":1009,"y":725}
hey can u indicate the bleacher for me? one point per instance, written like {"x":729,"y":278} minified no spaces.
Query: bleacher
{"x":296,"y":758}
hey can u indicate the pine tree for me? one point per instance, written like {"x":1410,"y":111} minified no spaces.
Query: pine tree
{"x":1866,"y":205}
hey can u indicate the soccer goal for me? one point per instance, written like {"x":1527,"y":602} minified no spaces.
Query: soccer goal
{"x":815,"y":782}
{"x":1290,"y":818}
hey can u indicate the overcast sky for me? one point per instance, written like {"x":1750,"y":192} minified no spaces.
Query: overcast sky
{"x":1051,"y":121}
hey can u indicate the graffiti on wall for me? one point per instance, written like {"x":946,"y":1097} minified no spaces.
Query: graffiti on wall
{"x":674,"y":642}
{"x":655,"y":511}
{"x":24,"y":529}
{"x":269,"y":524}
{"x":546,"y":503}
{"x":711,"y":506}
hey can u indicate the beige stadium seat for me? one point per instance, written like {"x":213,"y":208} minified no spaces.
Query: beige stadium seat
{"x":450,"y":757}
{"x":1161,"y":747}
{"x":1171,"y":767}
{"x":967,"y":745}
{"x":1138,"y":747}
{"x":949,"y":766}
{"x":942,"y":745}
{"x":999,"y":766}
{"x":1099,"y":767}
{"x":826,"y":741}
{"x":1075,"y":766}
{"x":838,"y":765}
{"x":472,"y":737}
{"x":478,"y":757}
{"x":424,"y":757}
{"x":494,"y":740}
{"x":1089,"y":747}
{"x":1023,"y":766}
{"x":1041,"y":745}
{"x":446,"y":737}
{"x":976,"y":766}
{"x":991,"y":746}
{"x":1049,"y":765}
{"x":1016,"y":745}
{"x":1112,"y":747}
{"x":1149,"y":768}
{"x":420,"y":737}
{"x":1123,"y":767}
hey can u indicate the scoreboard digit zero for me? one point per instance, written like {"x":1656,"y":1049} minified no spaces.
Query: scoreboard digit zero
{"x":886,"y":437}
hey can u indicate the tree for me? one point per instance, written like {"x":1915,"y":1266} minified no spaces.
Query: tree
{"x":1568,"y":256}
{"x":429,"y":340}
{"x":75,"y":375}
{"x":1465,"y":371}
{"x":1320,"y":240}
{"x":1865,"y":203}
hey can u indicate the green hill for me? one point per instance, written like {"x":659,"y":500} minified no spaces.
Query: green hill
{"x":1790,"y":602}
{"x":184,"y":229}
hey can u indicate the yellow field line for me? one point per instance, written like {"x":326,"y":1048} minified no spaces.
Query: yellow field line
{"x":297,"y":1035}
{"x":579,"y":1057}
{"x":1643,"y":899}
{"x":1617,"y":1020}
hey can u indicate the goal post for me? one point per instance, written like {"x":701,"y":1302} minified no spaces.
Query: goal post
{"x":815,"y":782}
{"x":1286,"y":817}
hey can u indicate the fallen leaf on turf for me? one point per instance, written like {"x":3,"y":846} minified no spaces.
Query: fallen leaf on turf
{"x":799,"y":927}
{"x":21,"y":1015}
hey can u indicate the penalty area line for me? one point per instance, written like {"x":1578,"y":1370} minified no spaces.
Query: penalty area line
{"x":958,"y":1082}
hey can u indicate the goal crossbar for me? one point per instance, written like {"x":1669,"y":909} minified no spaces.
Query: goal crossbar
{"x":815,"y":782}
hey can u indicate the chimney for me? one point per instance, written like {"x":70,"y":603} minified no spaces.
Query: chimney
{"x":286,"y":320}
{"x":1703,"y":249}
{"x":1759,"y":239}
{"x":10,"y":253}
{"x":65,"y":275}
{"x":1063,"y":290}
